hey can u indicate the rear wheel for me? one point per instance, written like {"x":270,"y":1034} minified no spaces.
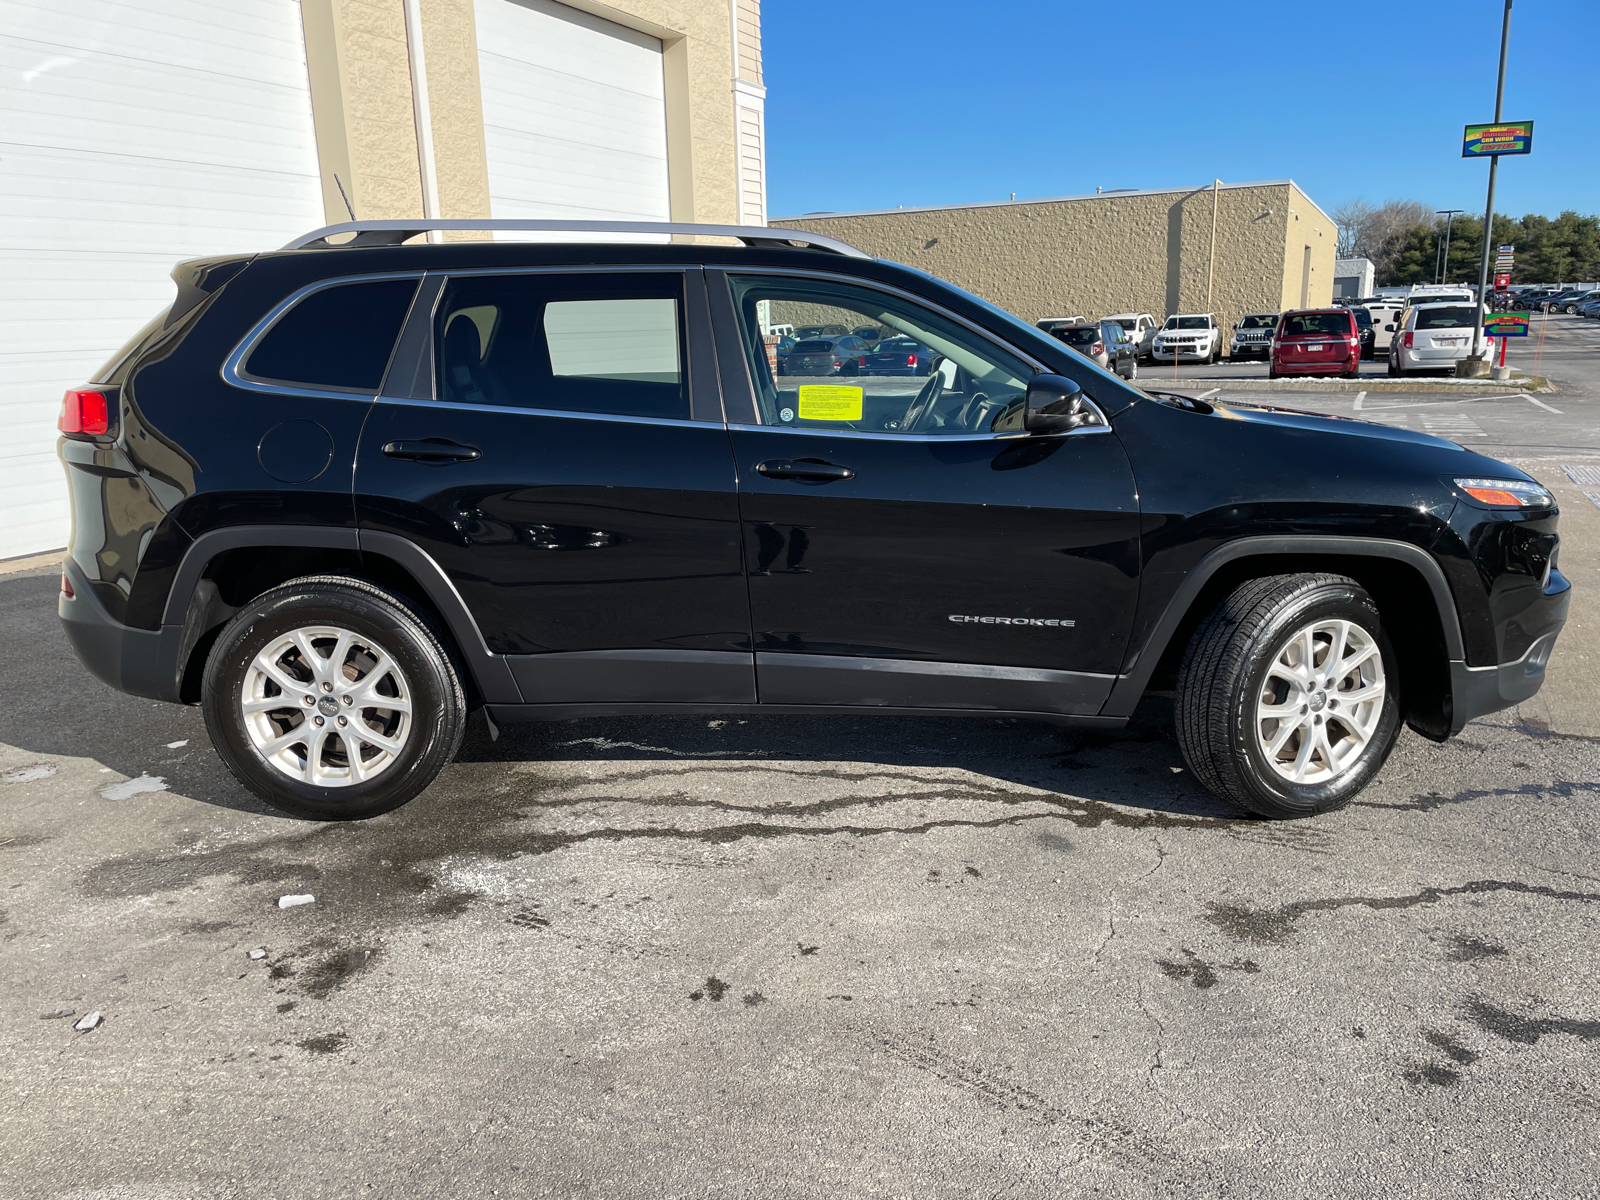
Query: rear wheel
{"x":1287,"y":701}
{"x":331,"y":699}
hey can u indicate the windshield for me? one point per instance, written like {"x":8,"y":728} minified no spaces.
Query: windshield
{"x":1259,"y":321}
{"x":1363,"y":317}
{"x":1319,"y":324}
{"x":1187,"y":323}
{"x":1085,"y":335}
{"x":898,"y":346}
{"x":1444,"y":318}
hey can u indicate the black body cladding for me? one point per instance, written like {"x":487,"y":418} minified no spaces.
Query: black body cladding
{"x":632,"y":537}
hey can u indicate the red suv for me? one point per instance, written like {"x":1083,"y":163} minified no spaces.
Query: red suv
{"x":1317,"y":341}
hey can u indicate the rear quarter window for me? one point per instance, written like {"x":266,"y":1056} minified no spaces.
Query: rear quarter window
{"x":339,"y":337}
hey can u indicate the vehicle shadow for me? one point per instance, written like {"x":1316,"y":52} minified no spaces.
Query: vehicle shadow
{"x":51,"y":705}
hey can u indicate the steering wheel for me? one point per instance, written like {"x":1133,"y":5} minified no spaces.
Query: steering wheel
{"x":919,"y":413}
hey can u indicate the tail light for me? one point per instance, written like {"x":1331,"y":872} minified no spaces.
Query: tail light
{"x":1406,"y":340}
{"x":862,"y":361}
{"x":66,"y":586}
{"x":911,"y":360}
{"x":83,"y":412}
{"x":1098,"y":348}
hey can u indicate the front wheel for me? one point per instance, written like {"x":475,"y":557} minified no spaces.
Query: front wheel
{"x":1133,"y":370}
{"x":332,"y":700}
{"x":1288,"y":700}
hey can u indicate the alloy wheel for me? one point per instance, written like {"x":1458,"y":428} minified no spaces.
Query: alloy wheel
{"x":1321,"y":701}
{"x":326,"y":706}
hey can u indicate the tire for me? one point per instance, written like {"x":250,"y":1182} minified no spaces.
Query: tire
{"x":1133,"y":369}
{"x":1247,"y":651}
{"x":406,"y":751}
{"x":1394,"y":371}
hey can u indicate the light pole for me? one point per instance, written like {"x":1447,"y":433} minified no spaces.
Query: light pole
{"x":1488,"y":209}
{"x":1449,"y":215}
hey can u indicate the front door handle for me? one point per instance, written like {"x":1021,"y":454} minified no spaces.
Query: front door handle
{"x":813,"y":470}
{"x":432,"y":450}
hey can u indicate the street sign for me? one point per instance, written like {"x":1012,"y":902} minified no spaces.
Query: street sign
{"x":1502,"y":282}
{"x":1504,"y":137}
{"x":1503,"y":325}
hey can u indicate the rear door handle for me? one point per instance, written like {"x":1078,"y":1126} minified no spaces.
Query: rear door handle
{"x":811,"y":469}
{"x":432,"y":450}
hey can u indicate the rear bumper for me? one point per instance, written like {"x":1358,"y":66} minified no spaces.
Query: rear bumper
{"x":142,"y":662}
{"x":1313,"y":368}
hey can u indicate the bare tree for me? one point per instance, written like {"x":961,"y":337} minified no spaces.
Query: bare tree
{"x":1352,"y":217}
{"x":1378,"y":232}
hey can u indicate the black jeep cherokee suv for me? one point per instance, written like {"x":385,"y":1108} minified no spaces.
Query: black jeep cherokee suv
{"x":342,"y":495}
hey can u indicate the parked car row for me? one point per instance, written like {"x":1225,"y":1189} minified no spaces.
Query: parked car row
{"x":865,"y":350}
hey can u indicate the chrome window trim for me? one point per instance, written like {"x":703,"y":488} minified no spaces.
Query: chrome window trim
{"x":574,"y":414}
{"x":233,"y":368}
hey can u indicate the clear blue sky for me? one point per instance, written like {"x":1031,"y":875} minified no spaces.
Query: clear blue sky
{"x":946,"y":102}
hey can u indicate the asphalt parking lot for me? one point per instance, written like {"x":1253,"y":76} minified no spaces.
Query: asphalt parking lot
{"x":814,"y":957}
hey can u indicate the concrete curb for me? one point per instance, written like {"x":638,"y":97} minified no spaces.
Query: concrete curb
{"x":1476,"y":387}
{"x":32,"y":562}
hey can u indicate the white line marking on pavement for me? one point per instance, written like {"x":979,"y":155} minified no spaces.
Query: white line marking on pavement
{"x":1208,"y":395}
{"x":1360,"y":396}
{"x":1594,"y":498}
{"x":1580,"y":474}
{"x":1452,"y":426}
{"x":1541,"y":404}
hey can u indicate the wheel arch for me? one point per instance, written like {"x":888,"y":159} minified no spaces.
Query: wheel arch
{"x":1407,"y":585}
{"x":225,"y":569}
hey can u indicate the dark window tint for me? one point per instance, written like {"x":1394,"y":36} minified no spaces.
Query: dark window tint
{"x":814,"y":347}
{"x":1323,"y":324}
{"x":1259,"y":321}
{"x":1079,"y":335}
{"x":1445,"y":318}
{"x":580,"y":343}
{"x":339,"y":337}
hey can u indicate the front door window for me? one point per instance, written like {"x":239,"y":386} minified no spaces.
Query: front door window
{"x":921,"y":374}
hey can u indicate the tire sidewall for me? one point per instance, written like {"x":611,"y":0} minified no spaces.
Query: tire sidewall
{"x":432,"y":683}
{"x":1327,"y":602}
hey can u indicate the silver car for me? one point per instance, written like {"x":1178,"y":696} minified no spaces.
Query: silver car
{"x":1434,"y":337}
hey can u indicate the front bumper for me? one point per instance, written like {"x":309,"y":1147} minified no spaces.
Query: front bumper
{"x":1169,"y":353}
{"x":1478,"y":691}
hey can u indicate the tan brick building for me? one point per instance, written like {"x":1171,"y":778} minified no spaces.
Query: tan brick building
{"x":1231,"y":249}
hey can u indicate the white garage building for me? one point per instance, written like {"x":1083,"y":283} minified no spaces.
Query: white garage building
{"x":138,"y":133}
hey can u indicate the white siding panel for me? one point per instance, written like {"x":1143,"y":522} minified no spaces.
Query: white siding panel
{"x":752,"y":167}
{"x":574,"y":111}
{"x":134,"y":134}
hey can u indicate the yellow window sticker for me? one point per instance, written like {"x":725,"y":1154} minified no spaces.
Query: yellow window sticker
{"x":829,"y":402}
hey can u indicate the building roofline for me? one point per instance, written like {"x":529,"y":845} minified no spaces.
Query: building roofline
{"x":1117,"y":195}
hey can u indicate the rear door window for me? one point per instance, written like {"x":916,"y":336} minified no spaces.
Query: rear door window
{"x":338,"y":337}
{"x":597,"y":343}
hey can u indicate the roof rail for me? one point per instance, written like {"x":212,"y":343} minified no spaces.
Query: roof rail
{"x":392,"y":233}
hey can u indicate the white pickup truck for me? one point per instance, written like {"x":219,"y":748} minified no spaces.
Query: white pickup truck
{"x":1140,"y":328}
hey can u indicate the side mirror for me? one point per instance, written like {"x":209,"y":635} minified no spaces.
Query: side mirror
{"x":1054,"y":404}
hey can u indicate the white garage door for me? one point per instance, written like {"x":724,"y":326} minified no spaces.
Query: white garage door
{"x":574,"y":114}
{"x":133,"y":134}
